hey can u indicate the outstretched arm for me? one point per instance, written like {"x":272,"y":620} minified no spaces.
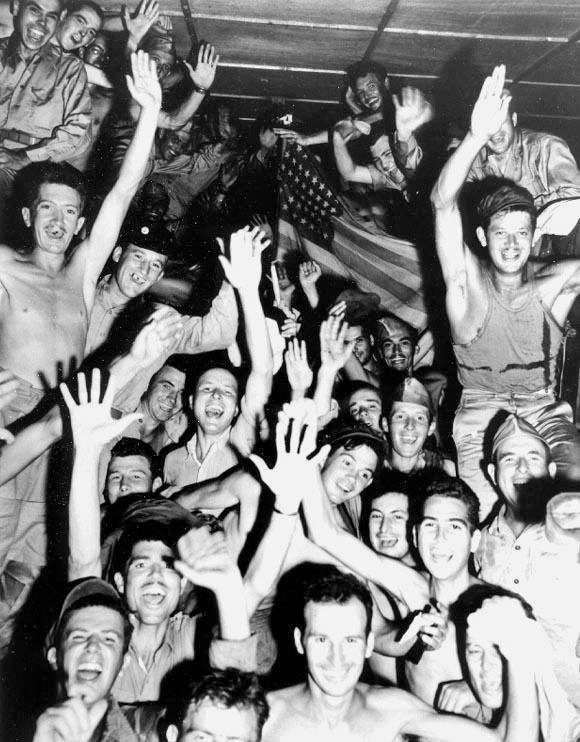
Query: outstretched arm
{"x":347,"y":167}
{"x":92,"y":427}
{"x":95,"y":250}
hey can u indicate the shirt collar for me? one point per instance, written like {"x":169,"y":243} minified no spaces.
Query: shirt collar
{"x":218,"y":445}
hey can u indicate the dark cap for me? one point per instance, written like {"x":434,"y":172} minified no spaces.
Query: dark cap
{"x":148,"y":235}
{"x":340,"y":432}
{"x":88,"y":587}
{"x":508,"y":196}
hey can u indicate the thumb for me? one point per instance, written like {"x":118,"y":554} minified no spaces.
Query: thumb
{"x":396,"y":102}
{"x":120,"y":425}
{"x":6,"y":435}
{"x":226,"y":265}
{"x":96,"y":713}
{"x":190,"y":70}
{"x":320,"y":458}
{"x":221,"y":245}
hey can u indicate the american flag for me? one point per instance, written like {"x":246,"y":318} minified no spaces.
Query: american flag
{"x":314,"y":220}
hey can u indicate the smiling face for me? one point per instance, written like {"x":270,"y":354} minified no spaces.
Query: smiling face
{"x":362,"y":343}
{"x":408,"y":427}
{"x":518,"y":459}
{"x":55,"y":218}
{"x":91,"y":652}
{"x":164,"y":397}
{"x":137,"y":269}
{"x":444,"y":538}
{"x":382,"y":154}
{"x":508,"y":239}
{"x":210,"y":722}
{"x":173,"y":143}
{"x":396,"y":348}
{"x":78,"y":28}
{"x":128,"y":475}
{"x":347,"y":472}
{"x":369,"y":91}
{"x":485,"y":666}
{"x":365,"y":406}
{"x":335,"y":644}
{"x":388,"y":524}
{"x":36,"y":22}
{"x":151,"y":585}
{"x":215,"y":403}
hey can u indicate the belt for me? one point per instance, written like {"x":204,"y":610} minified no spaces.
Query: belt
{"x":19,"y":136}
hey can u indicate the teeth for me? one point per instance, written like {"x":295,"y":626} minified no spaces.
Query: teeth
{"x":91,"y":666}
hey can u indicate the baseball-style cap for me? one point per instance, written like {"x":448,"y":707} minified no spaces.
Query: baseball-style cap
{"x":514,"y":425}
{"x":149,"y":236}
{"x":88,"y":587}
{"x":411,"y":390}
{"x":340,"y":432}
{"x":508,"y":196}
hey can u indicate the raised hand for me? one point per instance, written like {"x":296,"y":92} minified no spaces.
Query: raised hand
{"x":292,"y":324}
{"x":163,"y":328}
{"x":491,"y":107}
{"x":294,"y":474}
{"x":91,"y":421}
{"x":298,"y":371}
{"x":204,"y":559}
{"x":261,"y":221}
{"x":563,"y":518}
{"x":290,"y":135}
{"x":456,"y":697}
{"x":334,"y":348}
{"x":144,"y":85}
{"x":308,"y":273}
{"x":352,"y":101}
{"x":267,"y":138}
{"x":411,"y":111}
{"x":137,"y":25}
{"x":204,"y":73}
{"x":244,"y":268}
{"x":70,"y":721}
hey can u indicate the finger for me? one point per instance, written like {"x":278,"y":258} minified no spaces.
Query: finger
{"x":6,"y":435}
{"x":121,"y":425}
{"x":396,"y":102}
{"x":221,"y":245}
{"x":295,"y":425}
{"x":281,"y":432}
{"x":96,"y":713}
{"x":82,"y":388}
{"x":260,"y":465}
{"x":67,"y":396}
{"x":96,"y":386}
{"x":109,"y":394}
{"x":320,"y":458}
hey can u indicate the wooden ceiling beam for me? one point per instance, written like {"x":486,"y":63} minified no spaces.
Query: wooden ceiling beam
{"x":543,"y":58}
{"x":390,"y":11}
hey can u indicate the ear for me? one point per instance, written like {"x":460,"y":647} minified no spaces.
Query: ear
{"x":415,"y":535}
{"x":552,"y":468}
{"x":475,"y":539}
{"x":432,"y":428}
{"x":116,"y":254}
{"x":160,"y":276}
{"x":14,"y":7}
{"x":491,"y":472}
{"x":119,"y":582}
{"x":183,"y":584}
{"x":384,"y":425}
{"x":80,"y":224}
{"x":298,"y":640}
{"x":171,"y":733}
{"x":370,"y":644}
{"x":515,"y":119}
{"x":26,"y":216}
{"x":387,"y":83}
{"x":51,"y":657}
{"x":481,"y":236}
{"x":157,"y":482}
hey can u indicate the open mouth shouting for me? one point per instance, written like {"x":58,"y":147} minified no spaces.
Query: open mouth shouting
{"x":89,"y":671}
{"x":153,"y":596}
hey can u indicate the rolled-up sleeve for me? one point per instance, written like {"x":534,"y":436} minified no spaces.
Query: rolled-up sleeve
{"x":215,"y":331}
{"x":241,"y":654}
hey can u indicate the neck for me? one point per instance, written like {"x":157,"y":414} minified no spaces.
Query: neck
{"x":147,"y":638}
{"x":49,"y":263}
{"x":149,"y":425}
{"x":330,"y":710}
{"x":116,"y":296}
{"x":26,"y":53}
{"x":448,"y":590}
{"x":513,"y":520}
{"x":403,"y":463}
{"x":204,"y":442}
{"x":506,"y":284}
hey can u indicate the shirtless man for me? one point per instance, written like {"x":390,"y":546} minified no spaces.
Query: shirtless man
{"x":506,"y":331}
{"x":46,"y":295}
{"x":335,"y":639}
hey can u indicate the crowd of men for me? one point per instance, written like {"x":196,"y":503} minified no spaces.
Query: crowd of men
{"x":231,"y":503}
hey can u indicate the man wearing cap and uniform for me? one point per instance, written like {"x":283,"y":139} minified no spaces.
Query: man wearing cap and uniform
{"x":506,"y":331}
{"x":86,"y":650}
{"x":523,"y":550}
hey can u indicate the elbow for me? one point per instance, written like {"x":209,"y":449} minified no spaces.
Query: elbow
{"x":436,"y":199}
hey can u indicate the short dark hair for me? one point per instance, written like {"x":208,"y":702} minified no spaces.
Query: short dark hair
{"x":136,"y":447}
{"x":228,"y":688}
{"x":38,"y":174}
{"x":352,"y":435}
{"x":76,"y":5}
{"x":337,"y":587}
{"x":388,"y":480}
{"x":368,"y":67}
{"x":472,"y":600}
{"x":168,"y":532}
{"x":442,"y":485}
{"x":88,"y":602}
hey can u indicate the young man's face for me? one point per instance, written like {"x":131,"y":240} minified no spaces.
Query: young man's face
{"x":96,"y":52}
{"x":509,"y":240}
{"x":388,"y":524}
{"x":409,"y":427}
{"x":78,"y":29}
{"x":504,"y":137}
{"x":348,"y":472}
{"x":137,"y":269}
{"x":362,"y":343}
{"x":210,"y":721}
{"x":335,"y":644}
{"x":151,"y":584}
{"x":55,"y":218}
{"x":382,"y":154}
{"x":215,"y":403}
{"x":36,"y":21}
{"x":173,"y":143}
{"x":518,"y":459}
{"x":444,"y":538}
{"x":485,"y":667}
{"x":396,"y":348}
{"x":369,"y":91}
{"x":91,"y":652}
{"x":365,"y":406}
{"x":164,"y":397}
{"x":128,"y":475}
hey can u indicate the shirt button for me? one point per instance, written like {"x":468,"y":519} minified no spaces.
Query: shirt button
{"x":518,"y":548}
{"x":516,"y":581}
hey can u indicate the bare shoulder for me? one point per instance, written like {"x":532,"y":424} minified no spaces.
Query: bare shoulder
{"x":9,"y":255}
{"x":279,"y":699}
{"x":392,"y":700}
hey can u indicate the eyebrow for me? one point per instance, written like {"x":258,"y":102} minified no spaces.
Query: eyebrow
{"x":433,"y":519}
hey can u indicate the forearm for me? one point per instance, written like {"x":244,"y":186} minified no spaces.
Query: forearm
{"x":319,"y":137}
{"x":312,"y":295}
{"x":454,"y":173}
{"x":323,"y":391}
{"x":183,"y":113}
{"x":345,"y":164}
{"x":135,"y":162}
{"x":215,"y":331}
{"x":257,"y":338}
{"x":28,"y":444}
{"x":233,"y":620}
{"x":354,"y":371}
{"x":522,"y":717}
{"x":84,"y":514}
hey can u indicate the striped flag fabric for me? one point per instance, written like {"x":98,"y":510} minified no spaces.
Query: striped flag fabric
{"x":314,"y":220}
